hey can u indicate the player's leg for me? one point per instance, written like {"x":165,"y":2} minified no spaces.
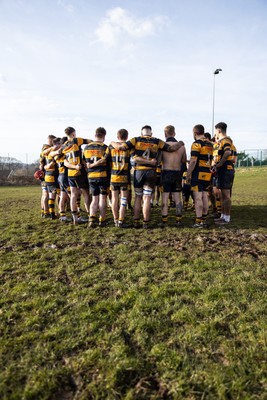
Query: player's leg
{"x":177,"y":197}
{"x":123,"y":206}
{"x":197,"y":194}
{"x":164,"y":205}
{"x":138,"y":192}
{"x":115,"y":204}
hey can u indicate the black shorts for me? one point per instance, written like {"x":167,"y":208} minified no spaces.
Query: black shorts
{"x":63,"y":183}
{"x":200,"y":186}
{"x":158,"y":180}
{"x":119,"y":186}
{"x":225,"y":179}
{"x":145,"y":177}
{"x":80,"y":182}
{"x":98,"y":187}
{"x":52,"y":187}
{"x":171,"y":181}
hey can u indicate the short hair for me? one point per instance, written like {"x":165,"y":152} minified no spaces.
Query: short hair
{"x":69,"y":130}
{"x":64,"y":139}
{"x":169,"y":129}
{"x":200,"y":130}
{"x":207,"y":135}
{"x":122,"y":134}
{"x":57,"y":140}
{"x":146,"y":127}
{"x":222,"y":126}
{"x":100,"y":132}
{"x":52,"y":137}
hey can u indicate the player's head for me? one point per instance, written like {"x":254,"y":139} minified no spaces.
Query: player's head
{"x":57,"y":142}
{"x":146,"y":130}
{"x":221,"y":128}
{"x":122,"y":135}
{"x":169,"y":131}
{"x":207,"y":135}
{"x":64,"y":139}
{"x":70,"y":132}
{"x":198,"y":130}
{"x":100,"y":133}
{"x":50,"y":139}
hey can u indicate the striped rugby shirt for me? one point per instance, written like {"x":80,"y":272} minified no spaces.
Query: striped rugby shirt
{"x":202,"y":150}
{"x":93,"y":152}
{"x":146,"y":147}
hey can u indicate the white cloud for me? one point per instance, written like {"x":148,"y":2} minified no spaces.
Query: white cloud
{"x":119,"y":22}
{"x":67,"y":7}
{"x":3,"y":79}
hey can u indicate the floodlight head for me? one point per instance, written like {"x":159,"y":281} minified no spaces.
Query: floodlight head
{"x":217,"y":71}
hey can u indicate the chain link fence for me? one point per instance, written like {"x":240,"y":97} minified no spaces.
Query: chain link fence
{"x":18,"y":168}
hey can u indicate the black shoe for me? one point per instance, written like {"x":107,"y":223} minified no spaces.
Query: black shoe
{"x":122,"y":225}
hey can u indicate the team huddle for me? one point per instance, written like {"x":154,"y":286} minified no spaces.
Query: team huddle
{"x":71,"y":167}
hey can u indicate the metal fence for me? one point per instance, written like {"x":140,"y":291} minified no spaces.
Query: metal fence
{"x":25,"y":163}
{"x":252,"y":158}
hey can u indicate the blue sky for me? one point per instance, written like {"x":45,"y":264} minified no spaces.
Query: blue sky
{"x":124,"y":64}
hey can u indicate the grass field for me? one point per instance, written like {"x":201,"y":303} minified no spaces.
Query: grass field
{"x":134,"y":314}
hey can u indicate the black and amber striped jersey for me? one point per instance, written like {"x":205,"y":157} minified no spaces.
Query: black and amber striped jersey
{"x":51,"y":174}
{"x":202,"y":150}
{"x":92,"y":153}
{"x":72,"y":151}
{"x":225,"y":144}
{"x":42,"y":157}
{"x":120,"y":165}
{"x":146,"y":147}
{"x":62,"y":170}
{"x":215,"y":153}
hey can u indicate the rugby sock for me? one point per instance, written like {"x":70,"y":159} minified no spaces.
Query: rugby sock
{"x":51,"y":207}
{"x":101,"y":219}
{"x":74,"y":216}
{"x":204,"y":218}
{"x":62,"y":214}
{"x":164,"y":219}
{"x":136,"y":222}
{"x":78,"y":203}
{"x":178,"y":218}
{"x":198,"y":220}
{"x":92,"y":218}
{"x":185,"y":205}
{"x":218,"y":206}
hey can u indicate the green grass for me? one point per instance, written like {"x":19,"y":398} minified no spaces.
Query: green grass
{"x":134,"y":314}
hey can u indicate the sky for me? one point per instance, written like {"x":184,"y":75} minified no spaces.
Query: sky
{"x":128,"y":63}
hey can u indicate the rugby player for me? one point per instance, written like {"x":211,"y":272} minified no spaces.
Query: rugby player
{"x":171,"y":178}
{"x":146,"y":150}
{"x":43,"y":161}
{"x":199,"y":174}
{"x":98,"y":177}
{"x":120,"y":178}
{"x":225,"y":170}
{"x":77,"y":178}
{"x":51,"y":178}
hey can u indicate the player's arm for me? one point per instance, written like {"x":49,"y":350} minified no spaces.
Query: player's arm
{"x":119,"y":146}
{"x":72,"y":166}
{"x":148,"y":161}
{"x":170,"y":148}
{"x":101,"y":161}
{"x":226,"y":154}
{"x":191,"y":167}
{"x":47,"y":151}
{"x":184,"y":157}
{"x":49,"y":165}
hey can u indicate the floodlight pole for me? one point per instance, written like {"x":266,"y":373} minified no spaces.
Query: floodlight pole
{"x":216,"y":72}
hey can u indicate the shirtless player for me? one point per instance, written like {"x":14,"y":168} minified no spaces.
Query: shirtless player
{"x":172,"y":176}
